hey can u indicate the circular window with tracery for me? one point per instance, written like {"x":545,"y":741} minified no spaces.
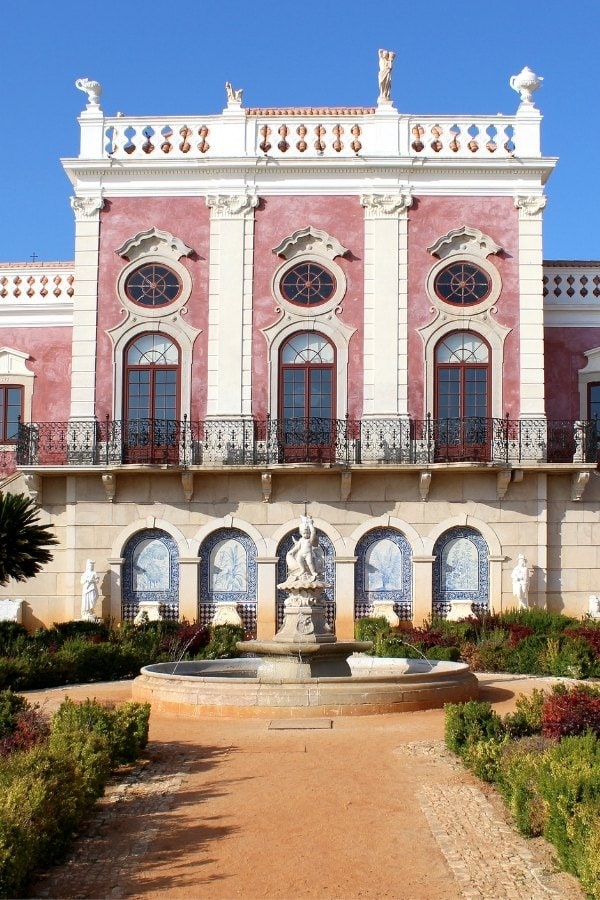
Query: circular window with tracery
{"x":462,"y":283}
{"x":308,"y":284}
{"x":153,"y":285}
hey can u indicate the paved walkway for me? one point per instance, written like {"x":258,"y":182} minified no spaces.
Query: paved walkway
{"x":371,"y":807}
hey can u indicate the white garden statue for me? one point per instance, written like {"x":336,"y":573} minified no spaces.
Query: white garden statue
{"x":89,"y":591}
{"x":305,"y":559}
{"x":521,"y":576}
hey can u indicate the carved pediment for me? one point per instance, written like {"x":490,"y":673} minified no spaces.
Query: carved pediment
{"x":12,"y":362}
{"x":464,"y":240}
{"x":151,"y":243}
{"x":310,"y":240}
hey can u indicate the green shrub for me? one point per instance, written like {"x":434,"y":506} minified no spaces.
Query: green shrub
{"x":517,"y":777}
{"x":372,"y":628}
{"x":11,"y":706}
{"x":490,"y":654}
{"x":570,"y":776}
{"x":483,"y":757}
{"x":569,"y":657}
{"x":449,"y":654}
{"x":124,"y":728}
{"x":528,"y":716}
{"x":585,"y":830}
{"x":468,"y":723}
{"x":10,"y":632}
{"x":528,"y":656}
{"x":222,"y":644}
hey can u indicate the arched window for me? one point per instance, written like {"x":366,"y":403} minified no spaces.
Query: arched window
{"x":462,"y":389}
{"x":152,"y":399}
{"x":307,"y":397}
{"x":461,"y":570}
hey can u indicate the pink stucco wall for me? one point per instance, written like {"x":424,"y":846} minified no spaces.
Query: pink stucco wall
{"x":429,"y":219}
{"x":276,"y":218}
{"x":564,"y":349}
{"x":187,"y":218}
{"x":49,"y":350}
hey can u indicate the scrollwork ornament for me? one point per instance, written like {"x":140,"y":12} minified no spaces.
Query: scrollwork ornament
{"x":530,"y":205}
{"x":231,"y":206}
{"x":86,"y":207}
{"x":382,"y":206}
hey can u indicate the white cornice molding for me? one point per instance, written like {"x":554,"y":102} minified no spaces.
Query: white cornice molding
{"x":232,"y":206}
{"x":571,"y":316}
{"x":19,"y":315}
{"x":384,"y":206}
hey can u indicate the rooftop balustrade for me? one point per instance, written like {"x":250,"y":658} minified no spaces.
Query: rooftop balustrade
{"x":316,"y":441}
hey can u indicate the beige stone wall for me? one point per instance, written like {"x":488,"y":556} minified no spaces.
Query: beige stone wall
{"x":536,"y":516}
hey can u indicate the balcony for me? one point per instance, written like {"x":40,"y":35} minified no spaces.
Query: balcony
{"x":318,"y":442}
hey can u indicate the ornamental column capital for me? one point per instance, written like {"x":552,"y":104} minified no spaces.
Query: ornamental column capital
{"x":231,"y":206}
{"x":386,"y":206}
{"x":530,"y":205}
{"x":86,"y":207}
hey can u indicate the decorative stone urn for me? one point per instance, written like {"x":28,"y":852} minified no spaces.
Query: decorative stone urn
{"x":525,"y":83}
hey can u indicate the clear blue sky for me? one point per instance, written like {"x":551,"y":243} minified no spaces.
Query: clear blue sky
{"x":160,"y":57}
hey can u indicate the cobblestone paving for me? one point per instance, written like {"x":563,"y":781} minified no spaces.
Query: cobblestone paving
{"x":488,"y":858}
{"x":133,"y":806}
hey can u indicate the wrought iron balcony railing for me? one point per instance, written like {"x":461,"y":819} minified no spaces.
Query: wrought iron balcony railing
{"x":249,"y":442}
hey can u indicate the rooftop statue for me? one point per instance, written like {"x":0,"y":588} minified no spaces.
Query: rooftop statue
{"x":525,"y":83}
{"x":234,"y":95}
{"x":386,"y":61}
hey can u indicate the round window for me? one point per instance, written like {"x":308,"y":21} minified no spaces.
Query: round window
{"x":153,"y":285}
{"x":307,"y":284}
{"x":462,"y":283}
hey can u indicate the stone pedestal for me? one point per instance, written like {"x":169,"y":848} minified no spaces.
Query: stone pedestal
{"x":226,"y":613}
{"x":149,"y":609}
{"x":385,"y":609}
{"x":304,"y":613}
{"x":460,"y":609}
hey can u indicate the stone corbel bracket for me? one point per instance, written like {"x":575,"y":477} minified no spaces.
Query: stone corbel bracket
{"x":579,"y":482}
{"x":187,"y":483}
{"x":345,"y":486}
{"x":266,"y":485}
{"x":502,"y":482}
{"x":109,"y":483}
{"x":424,"y":484}
{"x":33,"y":482}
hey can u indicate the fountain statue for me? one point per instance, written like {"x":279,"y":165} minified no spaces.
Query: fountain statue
{"x":305,"y":645}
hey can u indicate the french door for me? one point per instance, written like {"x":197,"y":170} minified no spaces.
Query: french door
{"x":463,"y":428}
{"x":151,"y":428}
{"x":307,"y":431}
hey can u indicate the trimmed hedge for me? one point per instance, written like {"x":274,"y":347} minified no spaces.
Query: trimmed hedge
{"x":45,"y":792}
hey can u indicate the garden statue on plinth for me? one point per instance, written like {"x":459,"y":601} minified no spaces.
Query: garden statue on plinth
{"x":304,"y":612}
{"x":89,"y":592}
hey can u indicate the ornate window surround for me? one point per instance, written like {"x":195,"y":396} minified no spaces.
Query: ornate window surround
{"x":309,"y":245}
{"x":590,"y":374}
{"x":464,"y":245}
{"x":154,"y":246}
{"x":14,"y":373}
{"x":469,"y":245}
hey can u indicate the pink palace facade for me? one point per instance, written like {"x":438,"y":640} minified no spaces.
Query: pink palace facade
{"x":344,"y":311}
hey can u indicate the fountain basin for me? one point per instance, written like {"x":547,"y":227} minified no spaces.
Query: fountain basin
{"x":232,"y":687}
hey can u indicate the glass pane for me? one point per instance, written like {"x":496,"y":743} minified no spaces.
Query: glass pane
{"x":594,"y":410}
{"x":152,"y":348}
{"x":294,"y":393}
{"x":320,"y":393}
{"x":165,"y":394}
{"x":138,"y":394}
{"x":448,"y":393}
{"x":307,"y":347}
{"x":475,"y":400}
{"x":462,"y":346}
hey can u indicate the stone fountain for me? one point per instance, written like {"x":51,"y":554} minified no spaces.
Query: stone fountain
{"x":304,"y":647}
{"x":303,"y":670}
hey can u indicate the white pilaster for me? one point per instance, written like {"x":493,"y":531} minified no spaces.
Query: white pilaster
{"x":230,"y":305}
{"x":85,"y":309}
{"x":386,"y":304}
{"x":531,"y":317}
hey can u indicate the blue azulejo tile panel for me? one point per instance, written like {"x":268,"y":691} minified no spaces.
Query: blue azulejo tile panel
{"x":461,"y":570}
{"x":383,"y":572}
{"x":151,"y":573}
{"x":228,"y":574}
